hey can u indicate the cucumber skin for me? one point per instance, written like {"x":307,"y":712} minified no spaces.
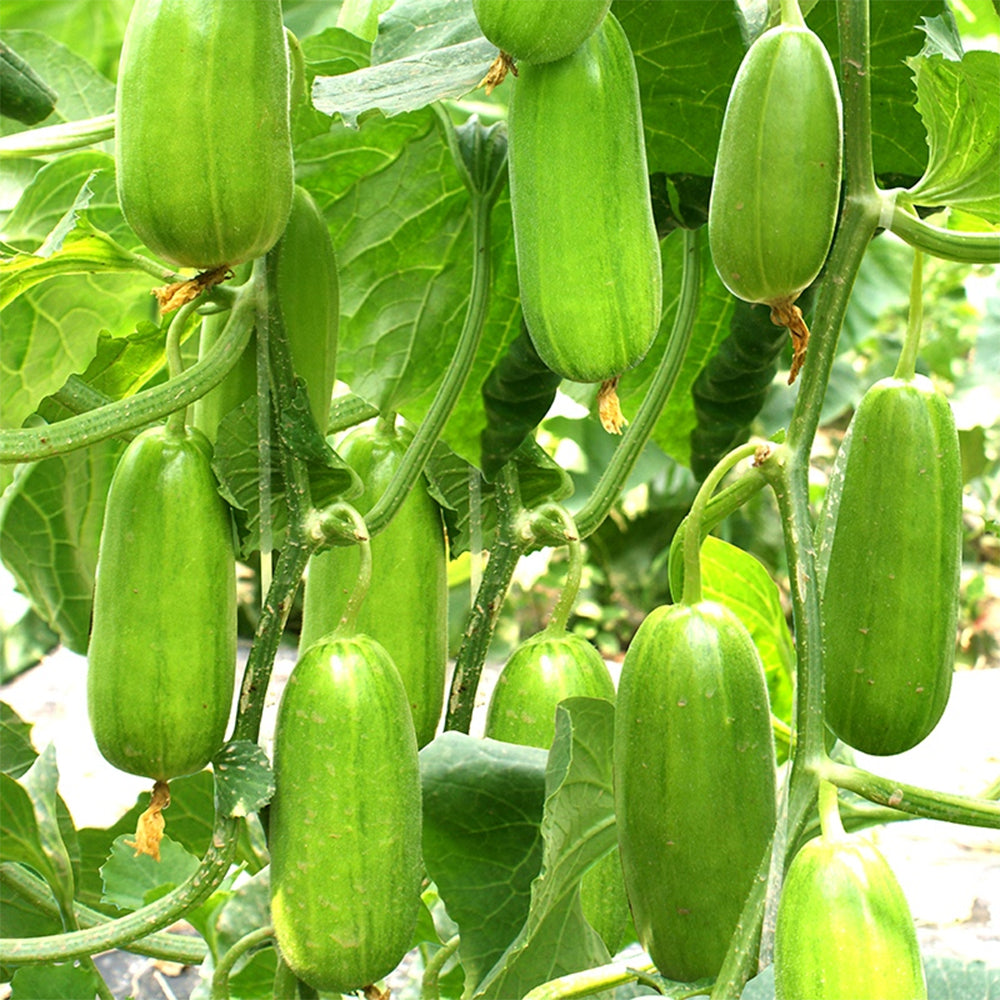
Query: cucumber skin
{"x":201,"y":83}
{"x":309,"y":296}
{"x":345,"y":821}
{"x":406,"y":609}
{"x":776,"y":189}
{"x":890,"y":597}
{"x":539,"y":674}
{"x":588,"y":256}
{"x":532,"y":33}
{"x":694,"y":782}
{"x":844,"y":928}
{"x":162,"y":653}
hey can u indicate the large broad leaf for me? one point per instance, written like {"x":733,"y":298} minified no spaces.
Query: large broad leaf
{"x":483,"y":803}
{"x":73,"y":46}
{"x":578,"y":828}
{"x":51,"y":330}
{"x":51,"y":981}
{"x":16,"y":751}
{"x":740,"y":582}
{"x":959,"y":102}
{"x":50,"y":530}
{"x":132,"y":880}
{"x":401,"y":225}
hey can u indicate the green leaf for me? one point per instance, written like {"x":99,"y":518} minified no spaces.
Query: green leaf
{"x":578,"y":828}
{"x":401,"y":226}
{"x":52,"y":981}
{"x":235,"y":461}
{"x":78,"y":52}
{"x":469,"y":501}
{"x":959,"y":103}
{"x":483,"y":804}
{"x":516,"y":395}
{"x":426,"y":50}
{"x":51,"y":330}
{"x":736,"y":579}
{"x":50,"y":529}
{"x":16,"y":751}
{"x":188,"y":823}
{"x":56,"y":832}
{"x":244,"y":779}
{"x":131,"y":882}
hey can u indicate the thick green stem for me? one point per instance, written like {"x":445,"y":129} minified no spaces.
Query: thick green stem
{"x":590,"y":517}
{"x":57,"y":138}
{"x":962,"y":809}
{"x":181,"y":948}
{"x":220,"y":977}
{"x":506,"y":551}
{"x":177,"y":421}
{"x":121,"y":932}
{"x":693,"y":535}
{"x":946,"y":244}
{"x":590,"y":981}
{"x":829,"y":812}
{"x":361,"y":586}
{"x":28,"y":444}
{"x":419,"y":450}
{"x":430,"y":986}
{"x":570,"y":537}
{"x":906,"y":367}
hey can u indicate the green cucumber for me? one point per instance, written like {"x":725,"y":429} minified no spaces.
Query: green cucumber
{"x":891,"y":587}
{"x":345,"y":821}
{"x":406,"y":609}
{"x":162,"y":653}
{"x":202,"y":129}
{"x":309,"y":297}
{"x":539,"y":32}
{"x":588,"y":256}
{"x":694,"y":782}
{"x":545,"y":670}
{"x":844,"y":928}
{"x":776,"y":188}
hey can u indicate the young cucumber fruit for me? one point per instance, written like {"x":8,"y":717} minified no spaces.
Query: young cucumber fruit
{"x":539,"y":32}
{"x":545,"y":670}
{"x":542,"y":672}
{"x":345,"y":822}
{"x":162,"y":654}
{"x":694,"y":782}
{"x":588,"y":257}
{"x":309,"y":297}
{"x":776,"y":188}
{"x":844,"y":928}
{"x":406,"y":609}
{"x":202,"y":129}
{"x":890,"y":596}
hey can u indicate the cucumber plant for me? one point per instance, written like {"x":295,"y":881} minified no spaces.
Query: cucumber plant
{"x":395,"y":278}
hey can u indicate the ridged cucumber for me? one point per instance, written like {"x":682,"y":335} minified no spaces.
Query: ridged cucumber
{"x":694,"y":782}
{"x":162,"y":654}
{"x":588,"y":256}
{"x":345,"y":822}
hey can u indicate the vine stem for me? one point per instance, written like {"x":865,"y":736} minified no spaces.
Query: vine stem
{"x":906,"y":368}
{"x":829,"y":812}
{"x":122,"y":931}
{"x":961,"y":809}
{"x":574,"y":571}
{"x":347,"y":620}
{"x":590,"y":517}
{"x":946,"y":244}
{"x":28,"y":444}
{"x":179,"y":948}
{"x":506,"y":551}
{"x":57,"y":138}
{"x":693,"y":538}
{"x":220,"y":977}
{"x":177,"y":421}
{"x":429,"y":986}
{"x":590,"y":981}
